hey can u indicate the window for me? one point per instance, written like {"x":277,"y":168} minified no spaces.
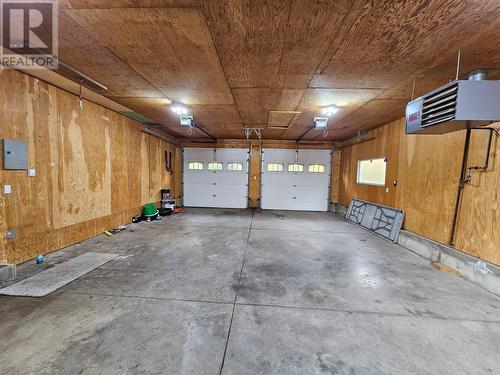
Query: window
{"x":275,"y":167}
{"x":295,"y":167}
{"x":215,"y":166}
{"x":372,"y":172}
{"x":316,"y":168}
{"x":234,"y":166}
{"x":195,"y":166}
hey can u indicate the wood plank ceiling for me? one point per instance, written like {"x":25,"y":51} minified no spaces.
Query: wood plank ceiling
{"x":273,"y":64}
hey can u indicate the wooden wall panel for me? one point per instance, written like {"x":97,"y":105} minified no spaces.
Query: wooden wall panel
{"x":177,"y":176}
{"x":3,"y":229}
{"x":254,"y":174}
{"x":21,"y":102}
{"x":427,"y":168}
{"x":478,"y":226}
{"x":89,"y":168}
{"x":335,"y":182}
{"x":82,"y":156}
{"x":382,"y":142}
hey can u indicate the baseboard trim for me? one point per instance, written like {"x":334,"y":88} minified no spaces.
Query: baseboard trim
{"x":8,"y":272}
{"x":473,"y":269}
{"x":478,"y":271}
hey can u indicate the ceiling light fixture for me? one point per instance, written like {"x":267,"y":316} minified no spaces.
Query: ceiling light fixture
{"x":320,"y":122}
{"x":187,"y":121}
{"x":330,"y":110}
{"x":179,"y":109}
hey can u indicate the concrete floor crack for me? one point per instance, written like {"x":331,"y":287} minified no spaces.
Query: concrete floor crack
{"x":236,"y":293}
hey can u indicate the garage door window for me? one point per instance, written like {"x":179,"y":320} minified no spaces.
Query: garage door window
{"x":195,"y":166}
{"x":295,"y":167}
{"x":215,"y":166}
{"x":275,"y":167}
{"x":316,"y":168}
{"x":234,"y":166}
{"x":372,"y":172}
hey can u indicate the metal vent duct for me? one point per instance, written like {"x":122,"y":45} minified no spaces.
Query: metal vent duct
{"x":439,"y":106}
{"x":477,"y":75}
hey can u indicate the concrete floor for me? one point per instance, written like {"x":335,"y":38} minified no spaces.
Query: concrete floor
{"x":243,"y":292}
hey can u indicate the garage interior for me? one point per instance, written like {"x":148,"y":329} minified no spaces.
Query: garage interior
{"x":262,"y":135}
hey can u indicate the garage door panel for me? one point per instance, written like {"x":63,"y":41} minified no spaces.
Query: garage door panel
{"x":276,"y":202}
{"x":232,"y":178}
{"x":196,"y":194}
{"x":224,"y":189}
{"x":198,"y":178}
{"x":317,"y":191}
{"x":296,"y":191}
{"x":200,"y":189}
{"x":276,"y":191}
{"x":308,"y":194}
{"x":223,"y":196}
{"x":305,"y":191}
{"x":226,"y":196}
{"x":305,"y":179}
{"x":296,"y":204}
{"x":219,"y":178}
{"x":274,"y":179}
{"x":315,"y":181}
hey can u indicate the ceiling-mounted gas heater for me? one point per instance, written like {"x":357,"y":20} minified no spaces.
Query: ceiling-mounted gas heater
{"x":458,"y":105}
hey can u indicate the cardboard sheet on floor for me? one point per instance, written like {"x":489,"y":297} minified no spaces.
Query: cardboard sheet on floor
{"x":48,"y":281}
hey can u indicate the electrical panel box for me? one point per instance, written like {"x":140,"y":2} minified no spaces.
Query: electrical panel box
{"x":15,"y":154}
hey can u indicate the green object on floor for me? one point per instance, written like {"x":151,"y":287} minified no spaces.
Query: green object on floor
{"x":150,"y":209}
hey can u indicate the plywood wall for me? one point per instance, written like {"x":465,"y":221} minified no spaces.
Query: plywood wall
{"x":428,"y":174}
{"x":382,"y":142}
{"x":478,"y":228}
{"x":94,"y":168}
{"x":427,"y":170}
{"x":335,"y":180}
{"x":254,"y":176}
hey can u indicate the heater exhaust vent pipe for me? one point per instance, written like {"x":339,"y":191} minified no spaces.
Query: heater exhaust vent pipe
{"x":477,"y":75}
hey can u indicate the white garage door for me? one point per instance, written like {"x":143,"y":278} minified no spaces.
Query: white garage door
{"x":296,"y":180}
{"x":215,"y":178}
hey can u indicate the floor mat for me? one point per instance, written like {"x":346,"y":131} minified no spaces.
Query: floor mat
{"x":48,"y":281}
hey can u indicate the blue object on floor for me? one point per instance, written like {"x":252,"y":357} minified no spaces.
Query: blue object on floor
{"x":39,"y":259}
